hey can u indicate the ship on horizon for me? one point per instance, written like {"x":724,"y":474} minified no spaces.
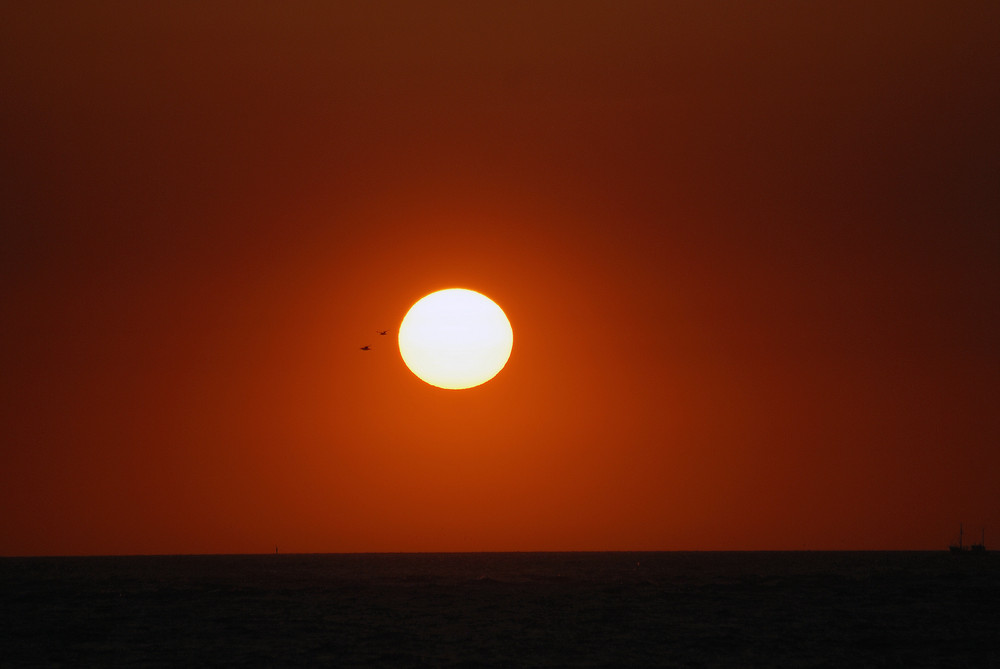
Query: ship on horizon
{"x":974,"y":548}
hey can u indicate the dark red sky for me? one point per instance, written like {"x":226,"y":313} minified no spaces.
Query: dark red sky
{"x":750,"y":252}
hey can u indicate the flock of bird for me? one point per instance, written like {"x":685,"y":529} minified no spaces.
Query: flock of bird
{"x":367,"y":347}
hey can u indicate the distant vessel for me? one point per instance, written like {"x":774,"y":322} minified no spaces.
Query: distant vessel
{"x":974,"y":548}
{"x":957,"y":548}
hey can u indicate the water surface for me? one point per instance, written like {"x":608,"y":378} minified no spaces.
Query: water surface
{"x":503,"y":609}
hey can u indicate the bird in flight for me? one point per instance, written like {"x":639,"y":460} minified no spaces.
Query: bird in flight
{"x":382,"y":332}
{"x":366,"y":348}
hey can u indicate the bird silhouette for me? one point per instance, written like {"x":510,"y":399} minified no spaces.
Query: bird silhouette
{"x":366,"y":348}
{"x":382,"y":332}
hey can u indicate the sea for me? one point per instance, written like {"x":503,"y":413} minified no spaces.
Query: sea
{"x":618,"y":609}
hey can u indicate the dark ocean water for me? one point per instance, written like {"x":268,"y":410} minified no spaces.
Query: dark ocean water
{"x":504,"y":610}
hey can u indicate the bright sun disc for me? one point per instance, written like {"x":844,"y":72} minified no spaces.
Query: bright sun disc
{"x":455,"y":339}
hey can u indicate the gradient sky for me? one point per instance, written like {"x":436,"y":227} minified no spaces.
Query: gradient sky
{"x":750,"y":252}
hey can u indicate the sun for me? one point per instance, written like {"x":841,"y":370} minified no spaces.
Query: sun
{"x":455,"y":339}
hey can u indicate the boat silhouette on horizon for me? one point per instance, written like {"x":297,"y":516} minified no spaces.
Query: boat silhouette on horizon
{"x":974,"y":548}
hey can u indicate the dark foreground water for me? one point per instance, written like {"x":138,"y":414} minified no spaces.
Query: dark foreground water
{"x":504,"y":609}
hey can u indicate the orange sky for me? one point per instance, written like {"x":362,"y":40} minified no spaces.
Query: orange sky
{"x":750,"y":253}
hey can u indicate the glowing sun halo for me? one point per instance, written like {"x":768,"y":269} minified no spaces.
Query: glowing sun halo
{"x":455,"y":339}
